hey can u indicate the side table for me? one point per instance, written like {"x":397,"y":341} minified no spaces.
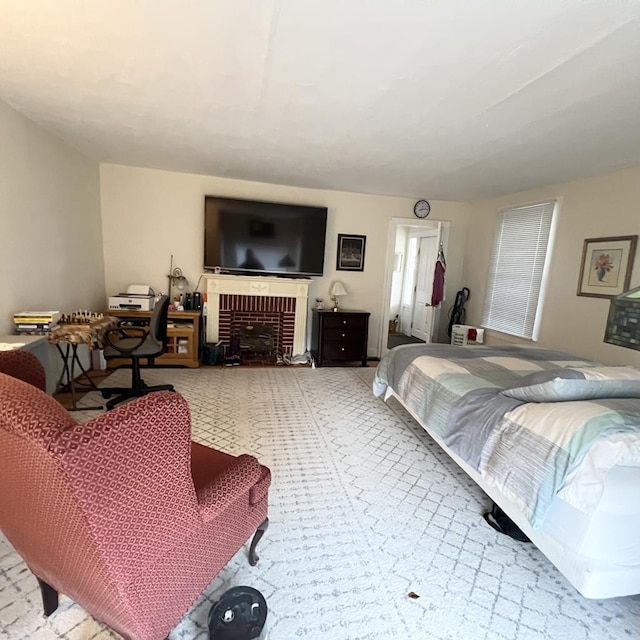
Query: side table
{"x":67,"y":338}
{"x":339,"y":336}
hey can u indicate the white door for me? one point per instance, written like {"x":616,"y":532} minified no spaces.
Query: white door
{"x":419,"y":228}
{"x":423,"y":320}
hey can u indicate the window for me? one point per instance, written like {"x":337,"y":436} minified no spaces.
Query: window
{"x":516,"y":269}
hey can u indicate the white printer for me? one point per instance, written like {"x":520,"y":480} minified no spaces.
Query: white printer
{"x":139,"y":297}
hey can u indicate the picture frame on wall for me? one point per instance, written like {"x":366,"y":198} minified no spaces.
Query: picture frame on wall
{"x":605,"y":270}
{"x":350,"y":252}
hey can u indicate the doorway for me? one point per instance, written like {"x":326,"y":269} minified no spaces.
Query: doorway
{"x":412,"y":251}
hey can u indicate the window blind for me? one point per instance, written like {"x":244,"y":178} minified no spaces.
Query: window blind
{"x":516,"y":269}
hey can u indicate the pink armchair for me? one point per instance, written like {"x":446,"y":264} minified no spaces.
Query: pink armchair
{"x":123,"y":513}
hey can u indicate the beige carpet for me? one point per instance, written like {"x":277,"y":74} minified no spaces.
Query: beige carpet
{"x":364,"y":509}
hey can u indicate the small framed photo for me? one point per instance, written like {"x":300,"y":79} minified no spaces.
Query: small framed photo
{"x":605,"y":270}
{"x":350,"y":252}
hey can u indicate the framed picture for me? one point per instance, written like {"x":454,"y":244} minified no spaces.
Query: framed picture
{"x":605,"y":270}
{"x":350,"y":252}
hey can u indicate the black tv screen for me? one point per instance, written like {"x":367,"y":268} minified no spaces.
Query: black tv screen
{"x":263,"y":237}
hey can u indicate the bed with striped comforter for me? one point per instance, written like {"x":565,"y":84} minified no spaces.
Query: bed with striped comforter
{"x":530,"y":451}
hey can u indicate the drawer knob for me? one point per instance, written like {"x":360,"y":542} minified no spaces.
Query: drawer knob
{"x":344,"y":322}
{"x":343,"y":348}
{"x":343,"y":335}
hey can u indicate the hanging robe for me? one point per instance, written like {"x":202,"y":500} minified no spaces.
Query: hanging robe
{"x":437,"y":293}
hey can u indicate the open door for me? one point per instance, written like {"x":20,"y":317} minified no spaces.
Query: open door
{"x":423,"y":321}
{"x":412,"y":252}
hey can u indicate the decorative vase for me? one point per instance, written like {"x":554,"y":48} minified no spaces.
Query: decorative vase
{"x":600,"y":273}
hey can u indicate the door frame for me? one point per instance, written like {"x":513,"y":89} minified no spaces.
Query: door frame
{"x":394,"y":224}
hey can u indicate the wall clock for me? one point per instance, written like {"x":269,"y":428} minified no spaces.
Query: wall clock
{"x":422,"y":208}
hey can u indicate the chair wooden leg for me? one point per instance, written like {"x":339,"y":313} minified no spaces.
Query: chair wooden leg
{"x":49,"y":598}
{"x":253,"y":558}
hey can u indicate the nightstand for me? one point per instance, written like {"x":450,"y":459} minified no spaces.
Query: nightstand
{"x":339,"y":336}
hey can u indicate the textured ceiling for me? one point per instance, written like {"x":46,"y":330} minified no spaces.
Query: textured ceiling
{"x":447,"y":99}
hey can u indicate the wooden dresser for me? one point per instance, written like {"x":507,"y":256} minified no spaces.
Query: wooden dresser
{"x":339,"y":336}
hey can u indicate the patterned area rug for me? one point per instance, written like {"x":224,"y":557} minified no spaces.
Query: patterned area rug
{"x":364,"y":508}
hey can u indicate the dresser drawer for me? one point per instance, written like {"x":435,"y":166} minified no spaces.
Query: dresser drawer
{"x":338,"y":321}
{"x":342,"y":351}
{"x":347,"y":334}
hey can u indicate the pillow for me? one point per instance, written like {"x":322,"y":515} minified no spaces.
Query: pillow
{"x":558,"y":385}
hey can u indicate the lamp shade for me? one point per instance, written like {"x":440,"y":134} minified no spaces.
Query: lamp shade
{"x":337,"y":289}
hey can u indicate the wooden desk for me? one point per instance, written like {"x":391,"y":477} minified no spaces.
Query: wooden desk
{"x":183,"y":337}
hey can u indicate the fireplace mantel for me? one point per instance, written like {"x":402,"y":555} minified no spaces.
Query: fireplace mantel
{"x":267,"y":286}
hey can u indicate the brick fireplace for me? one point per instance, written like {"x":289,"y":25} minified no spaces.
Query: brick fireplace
{"x":278,"y":313}
{"x":278,"y":302}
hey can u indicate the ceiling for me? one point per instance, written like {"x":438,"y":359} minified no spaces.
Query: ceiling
{"x":444,"y":99}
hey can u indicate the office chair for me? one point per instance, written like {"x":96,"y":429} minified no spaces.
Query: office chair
{"x":136,"y":343}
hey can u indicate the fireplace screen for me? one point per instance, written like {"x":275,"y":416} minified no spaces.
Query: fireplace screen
{"x":256,"y":339}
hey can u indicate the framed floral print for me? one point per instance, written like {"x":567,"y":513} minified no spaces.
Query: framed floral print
{"x":606,"y":266}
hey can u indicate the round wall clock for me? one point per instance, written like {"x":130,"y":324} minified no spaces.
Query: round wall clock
{"x":422,"y":208}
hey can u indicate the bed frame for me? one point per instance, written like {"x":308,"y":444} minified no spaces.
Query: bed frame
{"x":593,"y":577}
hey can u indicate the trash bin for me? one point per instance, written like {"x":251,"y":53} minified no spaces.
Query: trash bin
{"x":240,"y":614}
{"x":213,"y":353}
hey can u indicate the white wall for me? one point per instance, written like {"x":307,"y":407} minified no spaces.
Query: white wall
{"x":50,"y":230}
{"x":604,"y":206}
{"x":51,"y":234}
{"x":149,"y":215}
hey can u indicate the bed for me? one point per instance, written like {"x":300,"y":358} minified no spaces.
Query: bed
{"x":552,"y":439}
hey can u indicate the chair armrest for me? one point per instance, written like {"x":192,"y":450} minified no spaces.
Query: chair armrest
{"x":23,"y":366}
{"x":221,"y":491}
{"x":126,"y":334}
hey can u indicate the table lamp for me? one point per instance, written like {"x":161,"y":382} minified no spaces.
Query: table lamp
{"x":337,"y":290}
{"x":176,"y":279}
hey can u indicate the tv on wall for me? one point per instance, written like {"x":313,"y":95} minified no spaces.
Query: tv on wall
{"x":249,"y":236}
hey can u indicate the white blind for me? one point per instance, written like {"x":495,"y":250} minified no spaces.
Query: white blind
{"x":516,"y":269}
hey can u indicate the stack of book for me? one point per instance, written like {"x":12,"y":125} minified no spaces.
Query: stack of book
{"x":35,"y":322}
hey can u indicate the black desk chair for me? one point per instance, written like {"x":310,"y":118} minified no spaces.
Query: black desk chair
{"x":136,"y":343}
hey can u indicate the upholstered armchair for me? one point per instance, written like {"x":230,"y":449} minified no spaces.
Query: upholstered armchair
{"x":123,"y":513}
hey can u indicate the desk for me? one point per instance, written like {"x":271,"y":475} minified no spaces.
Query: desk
{"x":183,"y":337}
{"x":27,"y":342}
{"x":66,"y":338}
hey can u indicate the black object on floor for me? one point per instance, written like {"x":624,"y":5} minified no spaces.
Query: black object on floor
{"x":501,"y":522}
{"x":239,"y":615}
{"x":457,"y":313}
{"x":213,"y":354}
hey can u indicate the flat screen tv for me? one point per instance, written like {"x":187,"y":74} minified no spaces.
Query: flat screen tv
{"x":263,"y":237}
